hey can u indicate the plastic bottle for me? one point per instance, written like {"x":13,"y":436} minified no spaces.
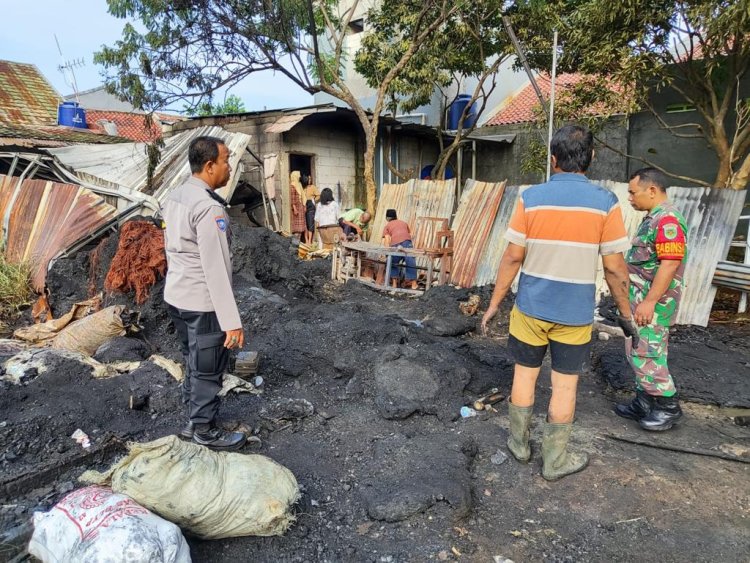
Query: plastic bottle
{"x":467,"y":412}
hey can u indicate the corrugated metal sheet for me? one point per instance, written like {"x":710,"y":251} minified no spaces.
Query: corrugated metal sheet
{"x":46,"y":218}
{"x":127,"y":164}
{"x":285,"y":123}
{"x":711,"y":216}
{"x":473,"y":226}
{"x":51,"y":136}
{"x":490,"y":262}
{"x":734,"y":275}
{"x":414,"y":199}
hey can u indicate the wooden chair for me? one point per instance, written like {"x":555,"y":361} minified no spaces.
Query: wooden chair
{"x":437,"y":247}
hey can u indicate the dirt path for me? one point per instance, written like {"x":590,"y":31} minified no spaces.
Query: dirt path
{"x":389,"y":471}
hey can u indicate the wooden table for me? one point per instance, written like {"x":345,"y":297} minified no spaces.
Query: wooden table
{"x":349,"y":256}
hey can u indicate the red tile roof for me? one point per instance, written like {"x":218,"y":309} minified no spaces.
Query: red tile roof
{"x":129,"y":125}
{"x":524,"y":106}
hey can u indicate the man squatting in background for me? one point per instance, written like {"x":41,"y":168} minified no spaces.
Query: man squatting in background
{"x":198,"y":289}
{"x":555,"y":237}
{"x":656,"y":263}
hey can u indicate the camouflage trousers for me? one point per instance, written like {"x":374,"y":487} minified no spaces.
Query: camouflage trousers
{"x":649,"y":360}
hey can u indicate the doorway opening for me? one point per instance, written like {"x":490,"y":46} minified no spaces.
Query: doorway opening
{"x":301,"y":162}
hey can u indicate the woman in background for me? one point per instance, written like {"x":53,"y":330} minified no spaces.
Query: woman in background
{"x":327,"y":219}
{"x":297,"y":198}
{"x":312,"y":196}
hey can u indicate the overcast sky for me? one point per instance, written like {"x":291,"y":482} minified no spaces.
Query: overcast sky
{"x":82,"y":27}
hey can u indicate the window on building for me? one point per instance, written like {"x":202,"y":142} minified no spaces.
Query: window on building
{"x":680,"y":108}
{"x":357,"y":26}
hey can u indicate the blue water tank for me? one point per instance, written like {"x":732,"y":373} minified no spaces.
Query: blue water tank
{"x":456,"y":109}
{"x":71,"y":114}
{"x":427,"y":172}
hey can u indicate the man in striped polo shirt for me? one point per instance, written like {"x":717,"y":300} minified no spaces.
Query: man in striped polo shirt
{"x":556,"y":235}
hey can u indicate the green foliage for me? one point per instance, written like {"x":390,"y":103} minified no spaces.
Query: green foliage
{"x":231,"y":105}
{"x":15,"y":288}
{"x":466,"y":44}
{"x":698,"y":48}
{"x":328,"y":67}
{"x":188,"y":49}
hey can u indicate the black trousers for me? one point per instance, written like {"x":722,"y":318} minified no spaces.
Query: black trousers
{"x":206,"y":359}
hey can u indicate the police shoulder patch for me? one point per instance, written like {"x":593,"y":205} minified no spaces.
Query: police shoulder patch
{"x":670,"y":231}
{"x":221,"y":222}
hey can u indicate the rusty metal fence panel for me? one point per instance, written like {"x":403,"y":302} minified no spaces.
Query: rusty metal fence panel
{"x":473,"y":225}
{"x":45,"y":219}
{"x":411,"y":200}
{"x":711,"y":215}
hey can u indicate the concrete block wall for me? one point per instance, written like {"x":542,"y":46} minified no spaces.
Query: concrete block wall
{"x":334,"y":158}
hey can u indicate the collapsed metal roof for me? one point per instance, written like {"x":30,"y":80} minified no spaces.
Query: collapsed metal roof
{"x":127,"y":164}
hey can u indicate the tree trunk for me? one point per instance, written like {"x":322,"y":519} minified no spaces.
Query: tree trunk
{"x":741,"y":178}
{"x":370,"y":188}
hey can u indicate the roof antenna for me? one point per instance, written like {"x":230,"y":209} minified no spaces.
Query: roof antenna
{"x":67,"y":68}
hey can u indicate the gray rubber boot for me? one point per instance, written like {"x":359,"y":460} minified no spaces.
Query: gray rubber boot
{"x":557,"y":461}
{"x":518,"y":440}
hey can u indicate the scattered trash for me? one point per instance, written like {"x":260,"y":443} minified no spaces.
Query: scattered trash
{"x":604,"y":336}
{"x":499,"y":457}
{"x":39,"y":333}
{"x":174,"y":369}
{"x":95,"y":524}
{"x":469,"y":308}
{"x":258,"y":381}
{"x":139,"y":262}
{"x":81,"y":438}
{"x":288,"y":409}
{"x":87,"y":334}
{"x":33,"y":362}
{"x":501,"y":559}
{"x":467,"y":412}
{"x":9,"y":347}
{"x":246,"y":364}
{"x":233,"y":384}
{"x":456,"y":552}
{"x":494,"y":396}
{"x":211,"y":494}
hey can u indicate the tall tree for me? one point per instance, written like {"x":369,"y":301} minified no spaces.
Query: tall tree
{"x":192,"y":48}
{"x":698,"y":48}
{"x":231,"y":105}
{"x":470,"y":46}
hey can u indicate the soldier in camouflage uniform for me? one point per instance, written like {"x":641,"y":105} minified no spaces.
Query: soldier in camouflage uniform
{"x":656,"y":263}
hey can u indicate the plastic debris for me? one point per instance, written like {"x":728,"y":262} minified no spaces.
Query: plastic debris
{"x":81,"y":438}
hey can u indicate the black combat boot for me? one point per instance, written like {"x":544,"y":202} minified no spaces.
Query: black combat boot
{"x":218,"y":439}
{"x":665,"y":412}
{"x":638,"y":408}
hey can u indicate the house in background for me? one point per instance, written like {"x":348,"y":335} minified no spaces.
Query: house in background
{"x":106,"y":113}
{"x":432,"y":114}
{"x":639,"y":134}
{"x":325,"y":141}
{"x":29,"y":112}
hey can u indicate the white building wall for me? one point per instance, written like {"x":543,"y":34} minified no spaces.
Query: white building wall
{"x":334,"y":159}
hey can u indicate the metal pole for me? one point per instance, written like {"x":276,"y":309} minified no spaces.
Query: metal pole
{"x":551,"y":115}
{"x":524,"y":62}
